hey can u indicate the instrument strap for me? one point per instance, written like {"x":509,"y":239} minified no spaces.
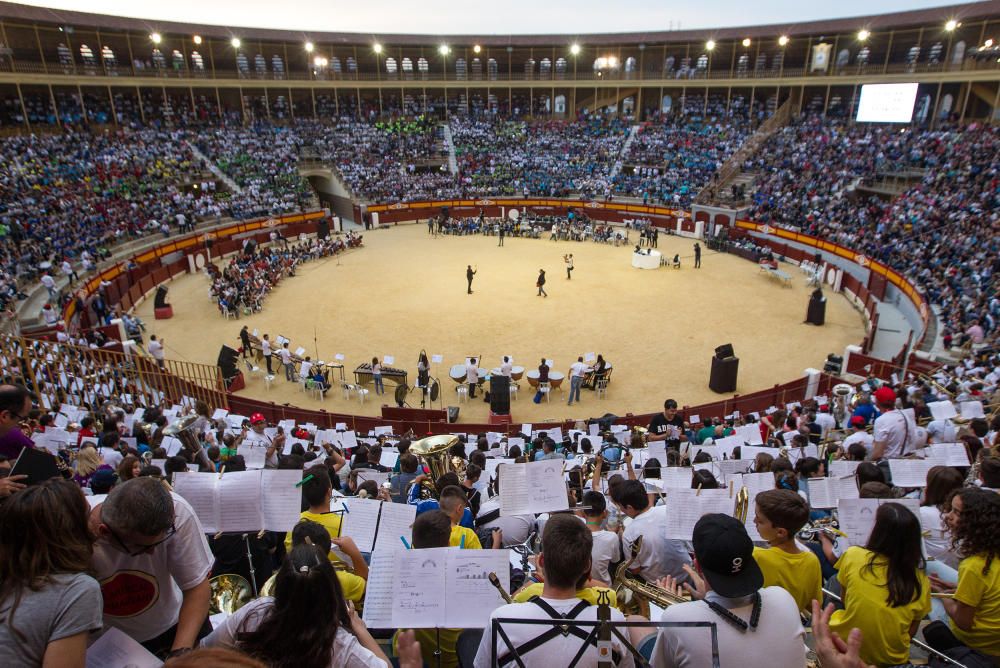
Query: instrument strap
{"x":564,"y":630}
{"x":486,"y":518}
{"x":734,"y":619}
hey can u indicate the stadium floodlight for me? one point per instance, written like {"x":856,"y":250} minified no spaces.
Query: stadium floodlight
{"x":235,"y":42}
{"x":376,"y":47}
{"x":156,"y":38}
{"x":863,"y":35}
{"x":783,"y":40}
{"x":444,"y":49}
{"x":574,"y":49}
{"x":710,"y":45}
{"x":309,"y":47}
{"x":476,"y":48}
{"x":746,"y":42}
{"x":196,"y":39}
{"x":951,"y":25}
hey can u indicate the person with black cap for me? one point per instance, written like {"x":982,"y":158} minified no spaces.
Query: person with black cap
{"x":757,"y":626}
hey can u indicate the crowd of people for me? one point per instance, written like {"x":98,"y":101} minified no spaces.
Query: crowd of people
{"x":925,"y":568}
{"x":940,"y":232}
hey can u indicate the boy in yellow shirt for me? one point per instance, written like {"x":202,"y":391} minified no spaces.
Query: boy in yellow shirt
{"x":453,"y":501}
{"x":780,"y":515}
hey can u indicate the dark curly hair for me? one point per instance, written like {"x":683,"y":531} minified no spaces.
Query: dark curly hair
{"x":978,"y":527}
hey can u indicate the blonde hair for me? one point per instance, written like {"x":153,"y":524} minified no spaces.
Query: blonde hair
{"x":87,"y":461}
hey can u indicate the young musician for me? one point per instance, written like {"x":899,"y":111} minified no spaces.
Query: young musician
{"x":885,"y":591}
{"x":941,"y":482}
{"x":780,"y":515}
{"x":565,"y":563}
{"x":757,"y":626}
{"x":48,"y":602}
{"x":282,"y":631}
{"x":351,"y":584}
{"x":974,"y":609}
{"x":659,"y":556}
{"x":317,"y":490}
{"x":607,"y":545}
{"x":453,"y":502}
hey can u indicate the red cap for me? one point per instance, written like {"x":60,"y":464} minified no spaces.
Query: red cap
{"x":857,"y":421}
{"x":257,"y":417}
{"x":885,"y":395}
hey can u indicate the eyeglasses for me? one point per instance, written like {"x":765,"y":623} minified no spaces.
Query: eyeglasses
{"x":136,"y":550}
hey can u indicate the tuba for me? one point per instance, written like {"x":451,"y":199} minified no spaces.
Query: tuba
{"x":230,"y":592}
{"x":640,"y":435}
{"x":183,"y":430}
{"x":434,"y":451}
{"x":842,"y":393}
{"x":634,"y":593}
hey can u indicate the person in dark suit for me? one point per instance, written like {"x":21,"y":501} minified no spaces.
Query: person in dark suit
{"x":469,"y":273}
{"x":245,"y":341}
{"x":540,"y":283}
{"x":697,"y":255}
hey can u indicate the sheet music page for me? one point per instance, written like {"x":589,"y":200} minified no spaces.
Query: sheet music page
{"x":948,"y":454}
{"x":857,"y":516}
{"x":724,"y":446}
{"x":546,"y":486}
{"x":419,"y":581}
{"x":754,"y":482}
{"x":396,"y":520}
{"x":519,"y":442}
{"x":171,"y":445}
{"x":655,"y":450}
{"x":349,"y":440}
{"x":378,"y":591}
{"x":492,"y":464}
{"x":822,"y":492}
{"x":685,"y":507}
{"x":389,"y":458}
{"x":730,"y":467}
{"x":240,"y":502}
{"x":514,"y":489}
{"x":675,"y":477}
{"x":198,"y":489}
{"x":116,"y":649}
{"x":280,"y":499}
{"x":838,"y":468}
{"x":751,"y":451}
{"x":255,"y":456}
{"x":972,"y":409}
{"x":942,"y":410}
{"x":371,"y":474}
{"x":361,"y":521}
{"x":910,"y":472}
{"x":712,"y":450}
{"x":470,"y":595}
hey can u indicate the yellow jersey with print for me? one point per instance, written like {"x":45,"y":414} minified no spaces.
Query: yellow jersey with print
{"x":798,"y":574}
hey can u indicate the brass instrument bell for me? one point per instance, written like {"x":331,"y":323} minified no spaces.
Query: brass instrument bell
{"x":230,"y":592}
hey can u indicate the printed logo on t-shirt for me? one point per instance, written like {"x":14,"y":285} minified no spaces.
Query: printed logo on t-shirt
{"x":129,"y":593}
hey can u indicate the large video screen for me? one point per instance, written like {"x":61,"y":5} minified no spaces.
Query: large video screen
{"x":887,"y":103}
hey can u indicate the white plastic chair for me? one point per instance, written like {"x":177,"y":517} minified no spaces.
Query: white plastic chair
{"x":347,"y":389}
{"x":268,"y":379}
{"x":546,"y":389}
{"x":362,"y":393}
{"x":463,"y":393}
{"x":602,"y":388}
{"x":513,"y":390}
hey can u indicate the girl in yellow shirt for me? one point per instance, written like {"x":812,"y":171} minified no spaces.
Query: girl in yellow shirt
{"x":884,"y":589}
{"x":973,"y":516}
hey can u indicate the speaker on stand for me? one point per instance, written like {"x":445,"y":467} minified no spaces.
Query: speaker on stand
{"x":499,"y":394}
{"x":227,"y":363}
{"x":725,"y":366}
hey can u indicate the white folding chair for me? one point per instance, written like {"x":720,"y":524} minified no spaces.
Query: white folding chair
{"x":362,"y":393}
{"x":602,"y":388}
{"x":269,"y":379}
{"x":347,"y":389}
{"x":463,"y":393}
{"x":513,"y":390}
{"x":546,"y":389}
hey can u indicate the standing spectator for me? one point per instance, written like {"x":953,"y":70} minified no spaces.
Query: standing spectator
{"x":155,"y":348}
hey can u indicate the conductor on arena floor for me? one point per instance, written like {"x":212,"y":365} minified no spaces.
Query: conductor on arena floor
{"x":469,"y":273}
{"x":697,"y":255}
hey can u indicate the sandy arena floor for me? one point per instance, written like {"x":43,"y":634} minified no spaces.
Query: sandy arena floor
{"x":406,"y":291}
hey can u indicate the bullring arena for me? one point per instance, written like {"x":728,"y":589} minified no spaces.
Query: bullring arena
{"x":405,"y":290}
{"x":771,"y":257}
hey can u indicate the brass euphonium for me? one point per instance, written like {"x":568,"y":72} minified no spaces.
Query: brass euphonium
{"x":230,"y":592}
{"x":742,"y":506}
{"x":634,"y":593}
{"x":434,"y":451}
{"x":183,"y":430}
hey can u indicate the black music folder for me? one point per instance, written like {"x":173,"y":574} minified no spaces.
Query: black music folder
{"x":38,"y":465}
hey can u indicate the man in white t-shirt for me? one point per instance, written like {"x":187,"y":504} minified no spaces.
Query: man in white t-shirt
{"x":155,"y":348}
{"x":265,"y":350}
{"x":894,"y":434}
{"x":50,"y":285}
{"x":858,"y":435}
{"x":658,"y":556}
{"x":576,"y":371}
{"x":565,"y":561}
{"x":506,"y":367}
{"x":757,"y":626}
{"x":942,"y":431}
{"x":286,"y":361}
{"x":472,"y":376}
{"x":153,"y":562}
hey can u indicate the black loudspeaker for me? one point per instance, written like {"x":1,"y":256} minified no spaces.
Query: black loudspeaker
{"x":322,"y":228}
{"x":160,"y":301}
{"x":227,"y":362}
{"x":724,"y":351}
{"x":499,"y":394}
{"x":818,"y":258}
{"x":452,"y":414}
{"x":816,"y":314}
{"x":723,"y":378}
